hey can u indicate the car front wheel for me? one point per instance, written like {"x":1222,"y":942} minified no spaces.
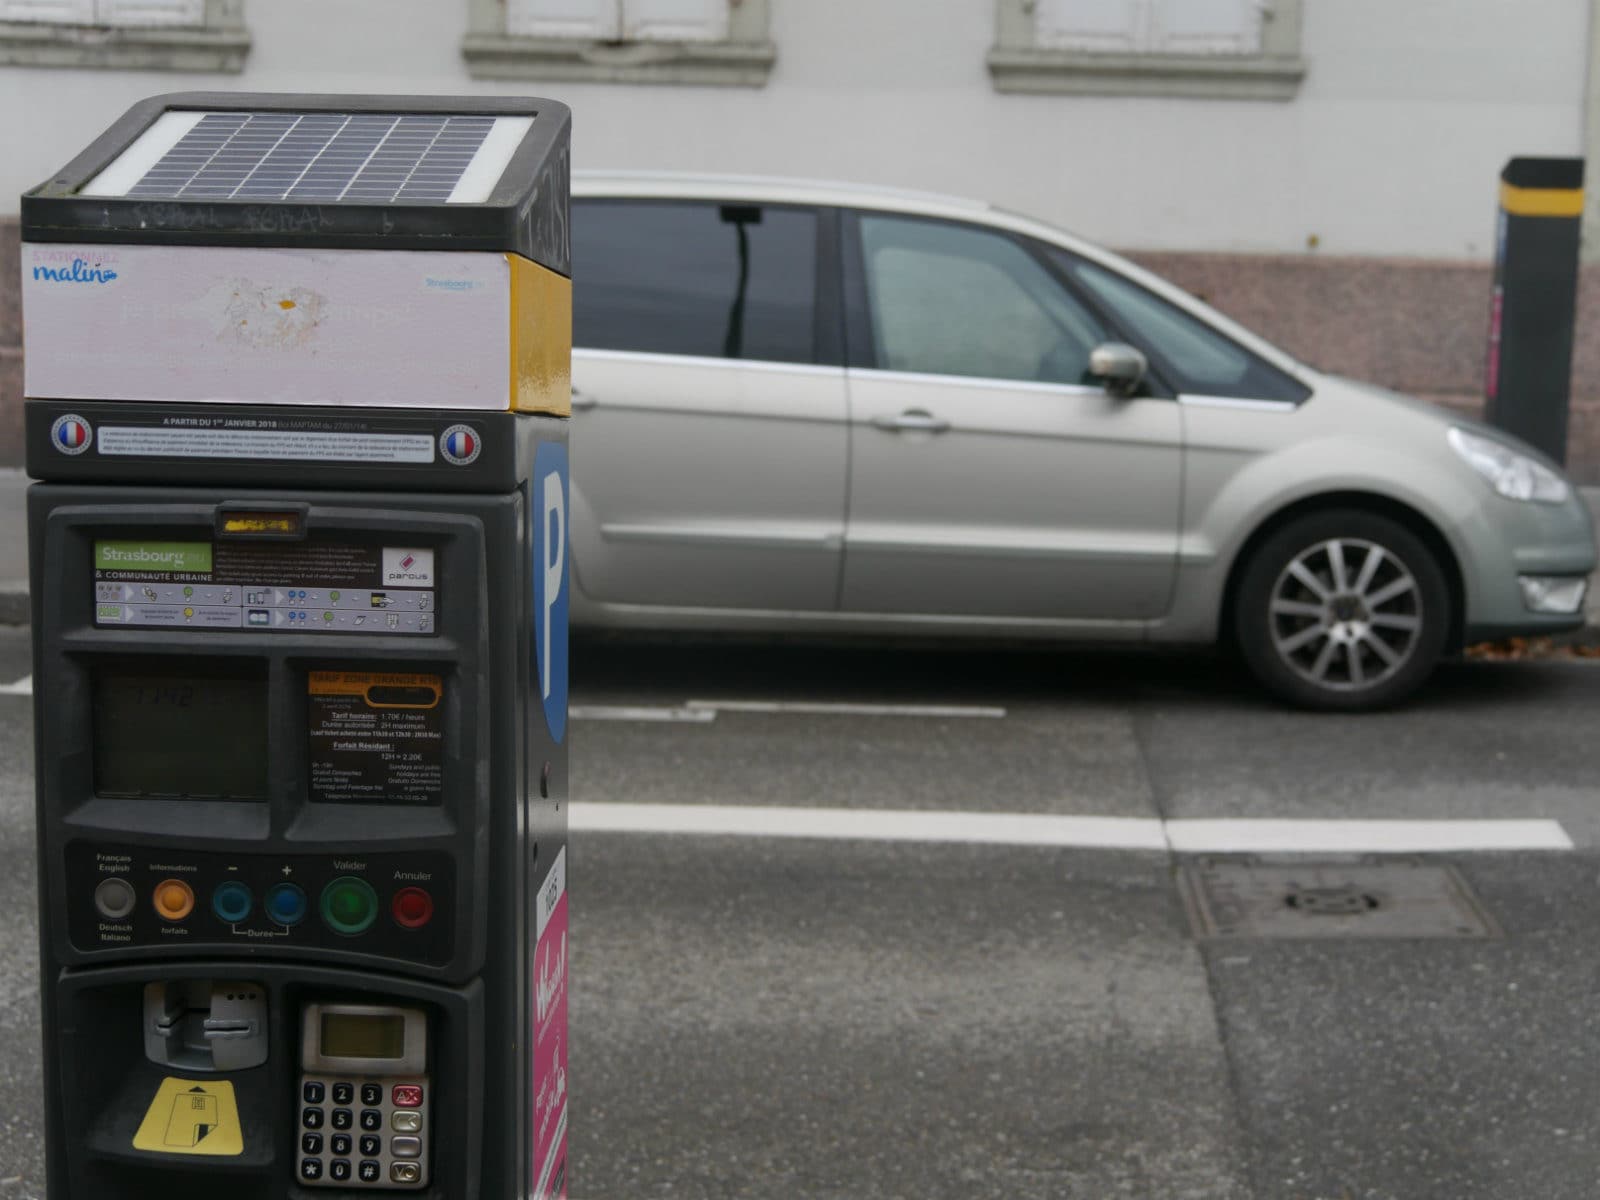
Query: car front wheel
{"x":1342,"y":609}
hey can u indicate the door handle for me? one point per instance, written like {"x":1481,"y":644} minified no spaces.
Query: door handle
{"x":582,"y":400}
{"x":913,"y":419}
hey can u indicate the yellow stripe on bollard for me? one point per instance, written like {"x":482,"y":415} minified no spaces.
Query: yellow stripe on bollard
{"x":1541,"y":202}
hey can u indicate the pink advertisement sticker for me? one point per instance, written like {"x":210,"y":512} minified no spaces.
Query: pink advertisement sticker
{"x":550,"y":1037}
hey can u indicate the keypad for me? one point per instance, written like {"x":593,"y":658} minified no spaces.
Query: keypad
{"x":391,"y":1149}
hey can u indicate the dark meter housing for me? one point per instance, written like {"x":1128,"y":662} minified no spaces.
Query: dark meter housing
{"x":297,"y":369}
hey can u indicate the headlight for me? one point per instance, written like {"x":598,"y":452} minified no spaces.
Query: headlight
{"x":1515,"y":476}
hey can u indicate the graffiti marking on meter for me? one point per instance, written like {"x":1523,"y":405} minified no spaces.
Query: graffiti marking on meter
{"x":552,"y":572}
{"x":191,"y":1116}
{"x":71,"y":434}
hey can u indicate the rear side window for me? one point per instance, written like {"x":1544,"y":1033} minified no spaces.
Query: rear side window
{"x":694,"y":277}
{"x":1199,"y":360}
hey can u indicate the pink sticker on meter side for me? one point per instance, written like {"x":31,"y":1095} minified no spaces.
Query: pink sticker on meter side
{"x":550,"y":1038}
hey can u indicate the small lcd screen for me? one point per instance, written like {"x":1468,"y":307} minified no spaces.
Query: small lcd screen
{"x":352,"y":1035}
{"x":193,"y":733}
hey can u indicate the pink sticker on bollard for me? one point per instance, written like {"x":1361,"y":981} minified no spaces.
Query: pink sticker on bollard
{"x":550,"y":1036}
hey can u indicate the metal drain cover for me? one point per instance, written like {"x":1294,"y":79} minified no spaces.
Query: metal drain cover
{"x":1375,"y":899}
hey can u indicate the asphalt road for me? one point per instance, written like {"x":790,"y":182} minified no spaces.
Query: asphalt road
{"x":789,"y":1017}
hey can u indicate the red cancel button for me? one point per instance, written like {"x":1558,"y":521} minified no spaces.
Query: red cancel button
{"x":407,"y":1095}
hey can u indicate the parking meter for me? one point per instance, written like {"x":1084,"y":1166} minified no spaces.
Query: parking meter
{"x":296,"y":374}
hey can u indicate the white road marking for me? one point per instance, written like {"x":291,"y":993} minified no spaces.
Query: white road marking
{"x":22,"y":687}
{"x":639,"y":712}
{"x":1268,"y":836}
{"x":829,"y":708}
{"x":873,"y":825}
{"x":1104,"y":833}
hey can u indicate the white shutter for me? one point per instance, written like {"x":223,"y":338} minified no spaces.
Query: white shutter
{"x":594,"y":20}
{"x":151,"y":12}
{"x":61,"y":12}
{"x":675,"y":20}
{"x":1208,"y":27}
{"x":1105,"y":25}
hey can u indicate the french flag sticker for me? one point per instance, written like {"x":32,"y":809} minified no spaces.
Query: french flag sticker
{"x":460,"y":444}
{"x":71,"y":434}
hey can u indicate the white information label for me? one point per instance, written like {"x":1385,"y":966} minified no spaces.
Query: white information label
{"x":310,"y":446}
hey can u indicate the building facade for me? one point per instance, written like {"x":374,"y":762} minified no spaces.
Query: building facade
{"x":1325,"y":171}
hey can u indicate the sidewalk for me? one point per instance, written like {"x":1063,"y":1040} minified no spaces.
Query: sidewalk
{"x":14,"y":554}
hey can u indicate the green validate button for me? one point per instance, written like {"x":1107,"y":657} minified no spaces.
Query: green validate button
{"x":349,"y":905}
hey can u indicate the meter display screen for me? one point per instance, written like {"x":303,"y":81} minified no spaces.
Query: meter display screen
{"x":363,"y":1035}
{"x":167,"y":734}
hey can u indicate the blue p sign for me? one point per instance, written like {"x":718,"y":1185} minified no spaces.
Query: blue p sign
{"x":552,"y":572}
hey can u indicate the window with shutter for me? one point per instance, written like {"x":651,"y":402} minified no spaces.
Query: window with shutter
{"x":136,"y":35}
{"x":61,"y":12}
{"x":675,"y":20}
{"x":151,"y":12}
{"x":1221,"y":49}
{"x":1089,"y":24}
{"x":597,"y":20}
{"x":621,"y":41}
{"x":1206,"y":27}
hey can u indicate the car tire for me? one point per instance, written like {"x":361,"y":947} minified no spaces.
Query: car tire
{"x":1324,"y":624}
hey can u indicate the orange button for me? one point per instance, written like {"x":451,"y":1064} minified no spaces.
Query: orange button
{"x":174,"y":899}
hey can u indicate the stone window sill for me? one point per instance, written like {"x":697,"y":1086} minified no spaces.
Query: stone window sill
{"x":30,"y":44}
{"x":1213,"y":77}
{"x":721,"y":64}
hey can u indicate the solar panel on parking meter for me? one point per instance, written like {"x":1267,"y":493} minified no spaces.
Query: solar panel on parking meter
{"x":296,"y":373}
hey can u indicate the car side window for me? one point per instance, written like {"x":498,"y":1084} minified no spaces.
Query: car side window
{"x":1201,"y":361}
{"x":694,"y":277}
{"x":950,"y":299}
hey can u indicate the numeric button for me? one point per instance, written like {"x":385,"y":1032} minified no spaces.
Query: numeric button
{"x":372,"y":1094}
{"x":311,"y":1118}
{"x":340,"y":1144}
{"x":371,"y":1145}
{"x":339,"y":1170}
{"x":311,"y":1143}
{"x":343,"y":1093}
{"x":313,"y":1093}
{"x":342,"y":1118}
{"x":371,"y":1119}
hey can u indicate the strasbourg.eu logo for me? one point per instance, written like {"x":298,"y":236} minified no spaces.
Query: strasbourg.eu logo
{"x":460,"y":445}
{"x":71,"y":434}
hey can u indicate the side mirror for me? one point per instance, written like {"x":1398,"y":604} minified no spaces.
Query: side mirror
{"x":1119,"y":366}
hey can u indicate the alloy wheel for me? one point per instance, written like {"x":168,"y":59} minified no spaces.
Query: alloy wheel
{"x":1345,"y":614}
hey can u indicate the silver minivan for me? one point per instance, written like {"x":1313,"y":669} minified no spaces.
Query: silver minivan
{"x":810,"y":407}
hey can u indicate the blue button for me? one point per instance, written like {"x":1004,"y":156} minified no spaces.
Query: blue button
{"x":232,"y":901}
{"x":287,"y":904}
